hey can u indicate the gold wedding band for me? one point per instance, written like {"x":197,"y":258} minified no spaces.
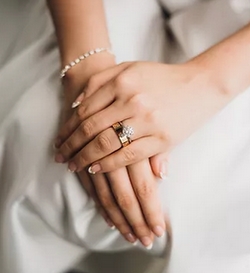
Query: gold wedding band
{"x":124,"y":139}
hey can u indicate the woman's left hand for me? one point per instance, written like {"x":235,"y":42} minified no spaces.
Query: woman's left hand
{"x":162,"y":103}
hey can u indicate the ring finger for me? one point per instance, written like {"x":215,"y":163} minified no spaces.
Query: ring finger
{"x":106,"y":143}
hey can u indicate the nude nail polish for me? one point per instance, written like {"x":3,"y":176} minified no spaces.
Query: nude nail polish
{"x":130,"y":237}
{"x":110,"y":223}
{"x":75,"y":104}
{"x":72,"y":167}
{"x":94,"y":169}
{"x":158,"y":231}
{"x":147,"y":242}
{"x":59,"y":158}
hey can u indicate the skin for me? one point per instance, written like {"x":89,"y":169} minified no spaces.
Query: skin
{"x":164,"y":103}
{"x":126,"y":197}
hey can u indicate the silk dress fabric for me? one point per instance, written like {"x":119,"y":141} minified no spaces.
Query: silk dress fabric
{"x":48,"y":223}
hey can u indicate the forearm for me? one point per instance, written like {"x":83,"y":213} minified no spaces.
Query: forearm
{"x":80,"y":26}
{"x":229,"y":62}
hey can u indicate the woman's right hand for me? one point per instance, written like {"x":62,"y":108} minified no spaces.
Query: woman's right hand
{"x":126,"y":198}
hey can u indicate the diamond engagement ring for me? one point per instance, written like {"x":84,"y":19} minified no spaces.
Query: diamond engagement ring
{"x":128,"y":131}
{"x":124,"y":133}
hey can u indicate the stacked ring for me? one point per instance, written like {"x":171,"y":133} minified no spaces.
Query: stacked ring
{"x":124,"y":133}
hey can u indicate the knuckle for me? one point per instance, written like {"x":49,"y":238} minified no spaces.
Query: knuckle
{"x":81,"y":160}
{"x":129,"y":155}
{"x":151,"y":117}
{"x":106,"y":201}
{"x":92,"y":83}
{"x":68,"y":146}
{"x":166,"y":140}
{"x":144,"y":191}
{"x":80,"y":112}
{"x":87,"y":128}
{"x":124,"y":201}
{"x":123,"y":81}
{"x":103,"y":143}
{"x":137,"y":104}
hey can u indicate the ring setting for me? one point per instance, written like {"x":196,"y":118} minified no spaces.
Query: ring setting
{"x":128,"y":131}
{"x":124,"y":133}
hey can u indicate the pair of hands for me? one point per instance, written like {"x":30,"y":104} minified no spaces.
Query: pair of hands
{"x":164,"y":104}
{"x":127,"y":197}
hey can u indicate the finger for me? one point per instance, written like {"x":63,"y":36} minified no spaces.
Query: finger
{"x":159,"y":165}
{"x":106,"y":142}
{"x":145,"y":187}
{"x":99,"y":80}
{"x":87,"y":184}
{"x":92,"y":105}
{"x":102,"y":145}
{"x":88,"y":129}
{"x":109,"y":204}
{"x":128,"y":203}
{"x":128,"y":155}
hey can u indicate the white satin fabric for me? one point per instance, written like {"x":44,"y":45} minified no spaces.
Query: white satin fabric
{"x":47,"y":221}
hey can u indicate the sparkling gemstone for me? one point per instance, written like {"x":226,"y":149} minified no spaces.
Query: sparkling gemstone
{"x":128,"y":131}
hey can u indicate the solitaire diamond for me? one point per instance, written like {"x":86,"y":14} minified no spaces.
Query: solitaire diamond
{"x":128,"y":131}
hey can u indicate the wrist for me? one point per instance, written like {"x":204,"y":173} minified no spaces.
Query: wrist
{"x":77,"y":77}
{"x":208,"y":92}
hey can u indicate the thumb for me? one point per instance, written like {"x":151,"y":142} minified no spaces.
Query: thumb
{"x":159,"y":165}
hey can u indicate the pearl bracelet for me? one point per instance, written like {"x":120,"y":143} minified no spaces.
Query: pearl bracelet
{"x":81,"y":58}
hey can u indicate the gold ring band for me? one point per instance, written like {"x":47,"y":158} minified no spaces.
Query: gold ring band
{"x":124,"y":139}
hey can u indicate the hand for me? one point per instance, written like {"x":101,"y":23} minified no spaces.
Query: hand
{"x":129,"y":193}
{"x":135,"y":212}
{"x":163,"y":103}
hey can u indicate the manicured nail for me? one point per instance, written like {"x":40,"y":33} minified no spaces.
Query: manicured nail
{"x":149,"y":247}
{"x":130,"y":237}
{"x":94,"y":169}
{"x":75,"y":104}
{"x":135,"y":243}
{"x":72,"y":167}
{"x":59,"y":158}
{"x":163,"y":170}
{"x":146,"y":241}
{"x":110,"y":223}
{"x":158,"y":231}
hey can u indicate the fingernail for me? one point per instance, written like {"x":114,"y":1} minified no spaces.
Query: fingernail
{"x":94,"y":169}
{"x":146,"y":241}
{"x":72,"y":167}
{"x":110,"y":223}
{"x":57,"y":142}
{"x":163,"y":170}
{"x":149,"y":246}
{"x":59,"y":158}
{"x":75,"y":104}
{"x":158,"y":231}
{"x":135,"y":243}
{"x":131,"y":238}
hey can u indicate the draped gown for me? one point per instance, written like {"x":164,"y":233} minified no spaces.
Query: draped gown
{"x":47,"y":222}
